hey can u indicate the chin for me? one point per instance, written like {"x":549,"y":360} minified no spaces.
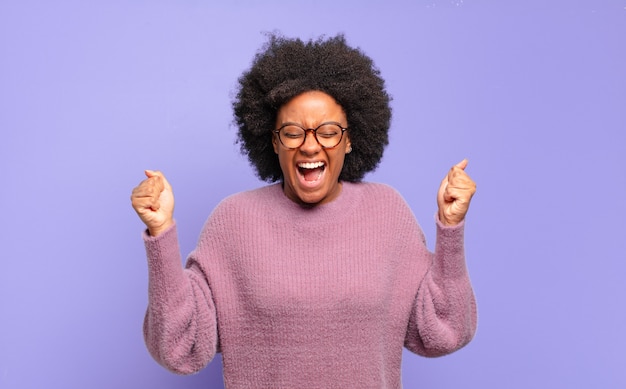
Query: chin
{"x":310,"y":199}
{"x":320,"y":196}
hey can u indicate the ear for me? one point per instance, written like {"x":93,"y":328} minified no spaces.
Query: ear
{"x":348,"y":147}
{"x":275,"y":142}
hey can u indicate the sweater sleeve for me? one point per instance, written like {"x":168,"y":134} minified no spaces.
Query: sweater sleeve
{"x":180,"y":326}
{"x":444,"y":314}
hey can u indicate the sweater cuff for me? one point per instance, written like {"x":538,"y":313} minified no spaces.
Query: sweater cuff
{"x":149,"y":238}
{"x":440,"y":225}
{"x":450,"y":248}
{"x":163,"y":254}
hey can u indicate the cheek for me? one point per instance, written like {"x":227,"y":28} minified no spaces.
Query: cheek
{"x":339,"y":161}
{"x":285,"y":158}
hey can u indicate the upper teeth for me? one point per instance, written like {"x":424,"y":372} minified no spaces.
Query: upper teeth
{"x":310,"y":165}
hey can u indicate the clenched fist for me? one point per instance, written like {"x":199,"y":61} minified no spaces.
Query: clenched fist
{"x":455,"y":194}
{"x":153,"y":201}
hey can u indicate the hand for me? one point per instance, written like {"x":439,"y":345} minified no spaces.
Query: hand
{"x":153,"y":201}
{"x":455,"y":194}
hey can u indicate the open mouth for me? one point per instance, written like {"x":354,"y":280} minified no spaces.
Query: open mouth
{"x":311,"y":171}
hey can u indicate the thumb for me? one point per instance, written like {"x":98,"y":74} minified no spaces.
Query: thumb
{"x":462,"y":165}
{"x":151,"y":173}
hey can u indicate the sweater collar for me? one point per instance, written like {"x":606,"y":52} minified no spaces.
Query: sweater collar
{"x":341,"y":207}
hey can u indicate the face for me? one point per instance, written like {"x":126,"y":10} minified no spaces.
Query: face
{"x":310,"y":172}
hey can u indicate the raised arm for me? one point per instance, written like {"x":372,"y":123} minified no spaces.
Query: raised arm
{"x":444,"y":314}
{"x":180,"y":327}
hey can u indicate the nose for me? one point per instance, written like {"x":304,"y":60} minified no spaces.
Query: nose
{"x":310,"y":145}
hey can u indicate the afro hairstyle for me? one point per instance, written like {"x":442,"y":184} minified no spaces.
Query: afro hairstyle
{"x":285,"y":68}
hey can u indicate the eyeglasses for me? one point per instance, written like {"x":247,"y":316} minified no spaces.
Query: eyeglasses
{"x":328,"y":134}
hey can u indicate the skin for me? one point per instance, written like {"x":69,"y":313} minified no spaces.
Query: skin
{"x":310,"y":109}
{"x":153,"y":198}
{"x":454,"y":195}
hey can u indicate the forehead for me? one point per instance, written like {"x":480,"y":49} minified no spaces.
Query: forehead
{"x":310,"y":108}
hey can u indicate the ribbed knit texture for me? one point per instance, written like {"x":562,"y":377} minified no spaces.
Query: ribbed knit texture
{"x":308,"y":298}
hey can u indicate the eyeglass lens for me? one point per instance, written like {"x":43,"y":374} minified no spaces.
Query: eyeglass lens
{"x":328,"y":135}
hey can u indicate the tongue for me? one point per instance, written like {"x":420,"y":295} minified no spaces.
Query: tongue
{"x":312,"y":174}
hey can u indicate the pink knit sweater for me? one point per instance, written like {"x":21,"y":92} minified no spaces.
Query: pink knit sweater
{"x":308,"y":298}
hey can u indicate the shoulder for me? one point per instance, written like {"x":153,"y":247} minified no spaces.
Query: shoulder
{"x":264,"y":193}
{"x":248,"y":200}
{"x":239,"y":210}
{"x":380,"y":199}
{"x":378,"y":193}
{"x":385,"y":206}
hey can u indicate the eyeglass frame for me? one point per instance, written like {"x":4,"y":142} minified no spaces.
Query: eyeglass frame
{"x":306,"y":130}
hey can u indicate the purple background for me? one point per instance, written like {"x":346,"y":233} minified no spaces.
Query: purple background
{"x":532,"y":92}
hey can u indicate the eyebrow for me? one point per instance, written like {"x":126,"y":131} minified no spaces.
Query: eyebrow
{"x":304,"y":127}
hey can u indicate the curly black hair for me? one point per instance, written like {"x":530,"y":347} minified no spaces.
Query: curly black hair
{"x":286,"y":68}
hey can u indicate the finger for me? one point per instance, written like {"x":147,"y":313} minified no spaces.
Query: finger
{"x":158,"y":175}
{"x":152,"y":186}
{"x":154,"y":175}
{"x":462,"y":165}
{"x":456,"y":194}
{"x":146,"y":203}
{"x":448,"y":195}
{"x":442,"y":188}
{"x":457,"y":170}
{"x":459,"y":178}
{"x":147,"y":194}
{"x":155,"y":181}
